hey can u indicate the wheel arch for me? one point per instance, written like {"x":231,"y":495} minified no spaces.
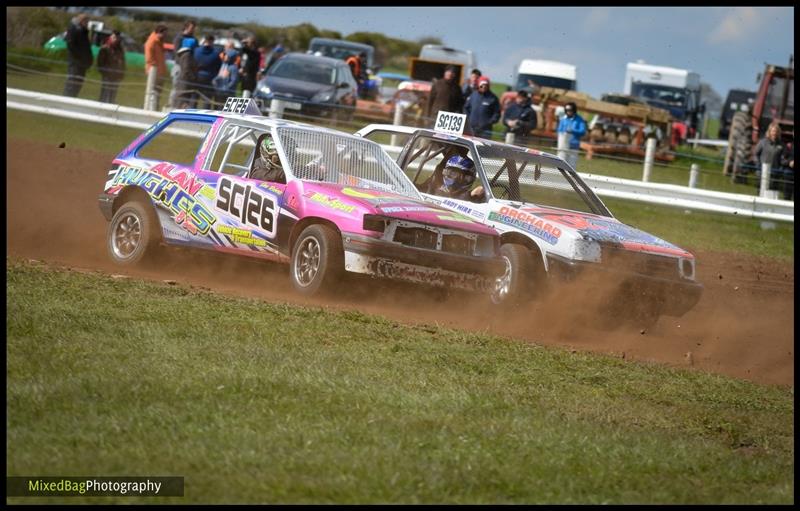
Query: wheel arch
{"x":132,"y":193}
{"x":521,"y":239}
{"x":305,"y":222}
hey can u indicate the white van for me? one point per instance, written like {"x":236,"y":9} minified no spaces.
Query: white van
{"x":545,"y":73}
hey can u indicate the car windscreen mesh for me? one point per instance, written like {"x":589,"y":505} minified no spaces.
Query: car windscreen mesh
{"x":522,"y":178}
{"x":331,"y":158}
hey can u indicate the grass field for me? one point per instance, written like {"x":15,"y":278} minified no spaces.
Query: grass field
{"x":695,"y":230}
{"x":269,"y":403}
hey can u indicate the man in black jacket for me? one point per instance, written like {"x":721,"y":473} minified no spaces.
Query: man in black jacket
{"x":79,"y":54}
{"x":248,"y":68}
{"x":519,"y":118}
{"x":445,"y":95}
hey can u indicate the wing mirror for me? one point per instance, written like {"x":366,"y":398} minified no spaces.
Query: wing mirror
{"x":343,"y":85}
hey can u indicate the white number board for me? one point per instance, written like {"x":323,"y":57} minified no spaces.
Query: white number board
{"x":450,"y":122}
{"x":245,"y":106}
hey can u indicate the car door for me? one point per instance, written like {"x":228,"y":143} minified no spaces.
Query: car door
{"x":248,"y":210}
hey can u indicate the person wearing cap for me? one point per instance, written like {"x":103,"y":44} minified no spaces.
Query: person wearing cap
{"x":111,"y":64}
{"x":519,"y":117}
{"x":187,"y":77}
{"x":154,"y":57}
{"x":574,"y":125}
{"x":208,"y":64}
{"x":228,"y":77}
{"x":472,"y":84}
{"x":482,"y":109}
{"x":445,"y":95}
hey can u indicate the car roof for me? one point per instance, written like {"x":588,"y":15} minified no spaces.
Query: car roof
{"x":260,"y":120}
{"x":316,"y":58}
{"x":479,"y":142}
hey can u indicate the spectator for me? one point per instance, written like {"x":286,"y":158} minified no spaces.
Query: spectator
{"x":788,"y":171}
{"x":262,"y":61}
{"x":187,"y":79}
{"x":574,"y":125}
{"x":482,"y":109}
{"x":519,"y":118}
{"x":445,"y":95}
{"x":228,"y":77}
{"x":111,"y":64}
{"x":249,"y":67}
{"x":208,"y":65}
{"x":154,"y":57}
{"x":472,"y":83}
{"x":771,"y":149}
{"x":276,"y":53}
{"x":79,"y":54}
{"x":188,"y":31}
{"x":357,"y":68}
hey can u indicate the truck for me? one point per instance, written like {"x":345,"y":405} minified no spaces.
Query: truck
{"x":532,"y":73}
{"x":669,"y":88}
{"x":439,"y":53}
{"x":774,"y":102}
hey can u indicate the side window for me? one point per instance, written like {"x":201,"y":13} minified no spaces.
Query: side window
{"x":235,"y":149}
{"x":178,"y":142}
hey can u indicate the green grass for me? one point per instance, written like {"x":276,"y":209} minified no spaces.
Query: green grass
{"x":695,"y":230}
{"x":270,"y":403}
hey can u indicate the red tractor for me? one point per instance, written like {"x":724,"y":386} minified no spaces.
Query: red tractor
{"x":774,"y":102}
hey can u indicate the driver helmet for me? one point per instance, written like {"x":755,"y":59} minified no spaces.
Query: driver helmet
{"x":269,"y":153}
{"x":458,"y":175}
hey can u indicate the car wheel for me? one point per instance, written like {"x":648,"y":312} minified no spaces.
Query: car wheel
{"x":514,"y":286}
{"x":317,"y":260}
{"x":133,"y":233}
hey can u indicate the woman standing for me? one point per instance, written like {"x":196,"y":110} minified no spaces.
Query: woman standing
{"x":111,"y":64}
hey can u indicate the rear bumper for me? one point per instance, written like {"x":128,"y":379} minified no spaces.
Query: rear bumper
{"x":393,"y":260}
{"x":674,"y":297}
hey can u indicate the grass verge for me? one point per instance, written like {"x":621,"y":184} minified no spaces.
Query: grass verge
{"x":271,"y":403}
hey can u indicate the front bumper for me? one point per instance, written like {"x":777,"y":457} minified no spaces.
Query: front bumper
{"x":675,"y":297}
{"x":394,"y":260}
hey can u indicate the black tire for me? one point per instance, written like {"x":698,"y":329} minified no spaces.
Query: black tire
{"x":317,"y":260}
{"x":740,"y":144}
{"x":516,"y":285}
{"x":133,"y":234}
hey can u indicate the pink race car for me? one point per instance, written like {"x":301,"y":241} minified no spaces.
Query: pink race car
{"x":323,"y":201}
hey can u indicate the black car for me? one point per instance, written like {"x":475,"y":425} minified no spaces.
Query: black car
{"x":309,"y":85}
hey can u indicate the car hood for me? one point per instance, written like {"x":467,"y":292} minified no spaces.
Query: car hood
{"x":561,"y":223}
{"x":392,"y":205}
{"x":296,"y":88}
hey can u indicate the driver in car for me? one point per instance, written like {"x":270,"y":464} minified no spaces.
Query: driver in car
{"x":267,"y":166}
{"x":457,"y":178}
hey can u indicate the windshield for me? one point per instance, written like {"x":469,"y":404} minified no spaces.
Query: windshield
{"x":527,"y":82}
{"x":341,"y":159}
{"x":304,"y":71}
{"x":670,"y":96}
{"x":339,"y":52}
{"x":521,"y":176}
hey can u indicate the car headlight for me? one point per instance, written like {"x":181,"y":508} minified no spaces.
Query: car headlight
{"x":322,"y":97}
{"x":587,"y":250}
{"x":265,"y":90}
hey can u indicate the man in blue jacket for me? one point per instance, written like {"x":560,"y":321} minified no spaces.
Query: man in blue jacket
{"x":482,"y":109}
{"x":208,"y":63}
{"x":574,"y":125}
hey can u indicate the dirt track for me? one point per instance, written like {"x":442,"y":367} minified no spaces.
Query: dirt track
{"x":743,"y":325}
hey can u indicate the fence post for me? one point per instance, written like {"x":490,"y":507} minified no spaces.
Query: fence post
{"x":693,"y":172}
{"x":649,"y":156}
{"x":766,"y":168}
{"x":398,"y":120}
{"x":150,"y":89}
{"x":246,"y":93}
{"x":563,"y":144}
{"x":510,"y":138}
{"x":276,"y":107}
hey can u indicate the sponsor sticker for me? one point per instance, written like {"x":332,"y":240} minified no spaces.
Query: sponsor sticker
{"x":526,"y":222}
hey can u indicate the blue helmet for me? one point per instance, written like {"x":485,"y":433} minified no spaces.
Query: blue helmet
{"x":458,"y":175}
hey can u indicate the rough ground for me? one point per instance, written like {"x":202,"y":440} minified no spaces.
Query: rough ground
{"x":743,"y":325}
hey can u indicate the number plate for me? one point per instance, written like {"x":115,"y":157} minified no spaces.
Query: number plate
{"x":292,"y":105}
{"x":449,"y":122}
